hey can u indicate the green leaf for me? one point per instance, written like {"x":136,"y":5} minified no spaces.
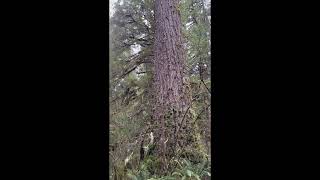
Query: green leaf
{"x":176,"y":173}
{"x":170,"y":178}
{"x":209,"y":174}
{"x":192,"y":111}
{"x":189,"y":173}
{"x":197,"y":177}
{"x":133,"y":177}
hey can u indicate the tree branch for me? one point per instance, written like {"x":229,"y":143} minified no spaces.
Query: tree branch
{"x":129,"y":71}
{"x":205,"y":86}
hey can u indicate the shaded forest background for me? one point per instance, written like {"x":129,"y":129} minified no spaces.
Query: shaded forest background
{"x":133,"y":131}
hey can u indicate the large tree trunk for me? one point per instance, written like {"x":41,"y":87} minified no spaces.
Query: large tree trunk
{"x":172,"y":99}
{"x":168,"y":69}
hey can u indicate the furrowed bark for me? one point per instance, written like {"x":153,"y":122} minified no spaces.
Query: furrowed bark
{"x":171,"y":94}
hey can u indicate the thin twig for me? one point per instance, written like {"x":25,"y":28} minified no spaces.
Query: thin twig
{"x":205,"y":86}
